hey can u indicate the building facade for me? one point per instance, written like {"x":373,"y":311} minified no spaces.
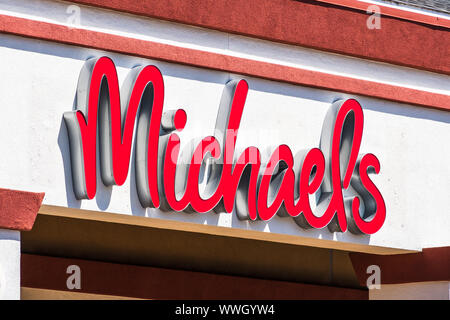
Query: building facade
{"x":259,"y":149}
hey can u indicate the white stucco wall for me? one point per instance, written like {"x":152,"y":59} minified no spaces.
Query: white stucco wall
{"x":38,"y":84}
{"x":9,"y":265}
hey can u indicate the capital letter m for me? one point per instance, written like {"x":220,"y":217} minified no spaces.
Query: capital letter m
{"x":99,"y":102}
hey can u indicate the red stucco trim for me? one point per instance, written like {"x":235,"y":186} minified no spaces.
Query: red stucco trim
{"x":308,"y":23}
{"x":215,"y":61}
{"x":432,"y":264}
{"x":18,"y":209}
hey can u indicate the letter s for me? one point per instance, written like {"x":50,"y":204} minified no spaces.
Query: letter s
{"x":374,"y":215}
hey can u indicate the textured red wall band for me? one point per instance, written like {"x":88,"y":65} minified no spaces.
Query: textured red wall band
{"x":307,"y":23}
{"x":215,"y":61}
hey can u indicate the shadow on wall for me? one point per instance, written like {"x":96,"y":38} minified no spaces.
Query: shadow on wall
{"x":103,"y":195}
{"x":63,"y":143}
